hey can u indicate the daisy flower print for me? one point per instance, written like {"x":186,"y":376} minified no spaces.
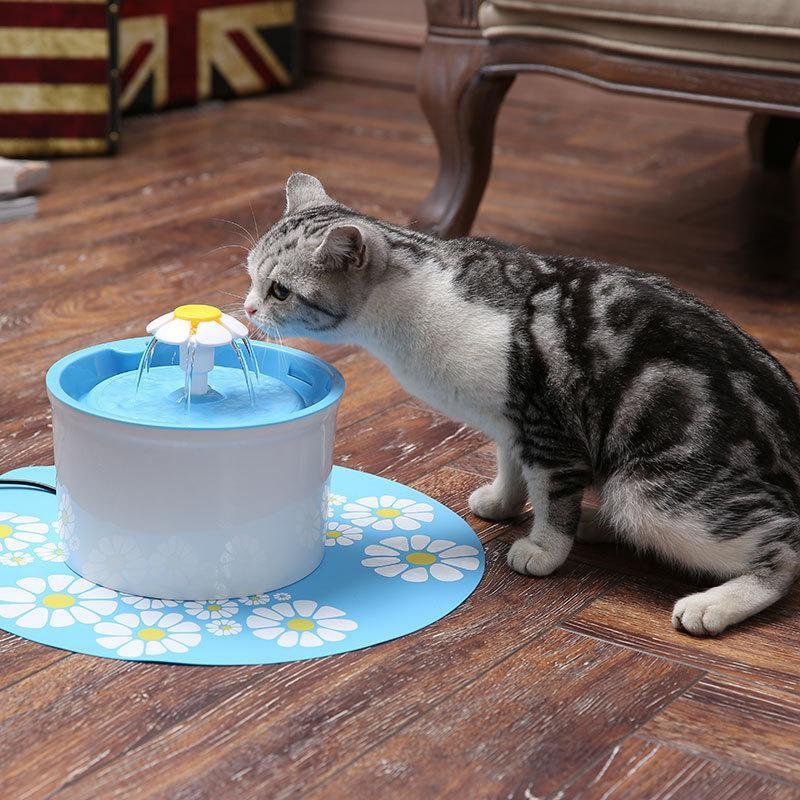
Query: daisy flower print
{"x":387,"y":512}
{"x":418,"y":558}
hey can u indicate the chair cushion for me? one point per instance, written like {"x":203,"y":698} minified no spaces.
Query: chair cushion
{"x":757,"y":34}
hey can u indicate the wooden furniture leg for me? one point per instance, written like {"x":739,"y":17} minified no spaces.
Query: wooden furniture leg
{"x":461,"y":105}
{"x":773,"y":140}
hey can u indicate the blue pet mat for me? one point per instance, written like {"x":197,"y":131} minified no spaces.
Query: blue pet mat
{"x":395,"y":561}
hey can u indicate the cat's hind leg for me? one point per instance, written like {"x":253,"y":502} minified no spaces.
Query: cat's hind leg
{"x":710,"y":612}
{"x":505,"y":496}
{"x":555,"y":495}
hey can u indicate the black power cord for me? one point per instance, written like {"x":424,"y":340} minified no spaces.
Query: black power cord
{"x":44,"y":487}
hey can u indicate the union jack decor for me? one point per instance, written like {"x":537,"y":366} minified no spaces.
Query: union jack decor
{"x":57,"y":77}
{"x":176,"y":52}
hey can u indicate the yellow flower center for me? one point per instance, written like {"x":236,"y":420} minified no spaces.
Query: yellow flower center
{"x":5,"y":530}
{"x":214,"y":607}
{"x":333,"y":534}
{"x":198,"y":313}
{"x":421,"y":559}
{"x":151,"y":634}
{"x":58,"y":600}
{"x":387,"y":513}
{"x":300,"y":624}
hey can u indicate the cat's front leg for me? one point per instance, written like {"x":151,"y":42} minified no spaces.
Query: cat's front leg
{"x":556,"y":498}
{"x":505,"y":496}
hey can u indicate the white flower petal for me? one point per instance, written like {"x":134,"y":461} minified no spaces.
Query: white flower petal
{"x":397,"y":542}
{"x":391,"y":570}
{"x":338,"y":624}
{"x":4,"y":515}
{"x":212,"y":334}
{"x":458,"y":550}
{"x":233,"y":325}
{"x":35,"y":585}
{"x":31,"y":527}
{"x":403,"y":504}
{"x":415,"y":575}
{"x":168,"y":620}
{"x":379,"y":561}
{"x":84,"y":615}
{"x":383,"y":524}
{"x":305,"y":608}
{"x":158,"y":322}
{"x":267,"y":633}
{"x":329,"y":636}
{"x":176,"y":331}
{"x":112,"y":642}
{"x":35,"y":618}
{"x":79,"y":586}
{"x":288,"y":639}
{"x":284,"y":609}
{"x":467,"y":562}
{"x":101,"y":607}
{"x":420,"y":542}
{"x":185,"y":639}
{"x":309,"y":639}
{"x":379,"y":550}
{"x":328,"y":612}
{"x":437,"y":545}
{"x":61,"y":618}
{"x":387,"y":501}
{"x":132,"y":649}
{"x":174,"y":646}
{"x":443,"y":572}
{"x":112,"y":629}
{"x":13,"y":594}
{"x":150,"y":618}
{"x":130,"y":620}
{"x":406,"y":523}
{"x":21,"y":520}
{"x":266,"y":615}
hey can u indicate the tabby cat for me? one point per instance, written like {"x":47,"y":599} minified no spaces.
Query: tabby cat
{"x":582,"y":373}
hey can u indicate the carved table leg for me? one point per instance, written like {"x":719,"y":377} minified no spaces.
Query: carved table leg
{"x":461,"y":105}
{"x":773,"y":140}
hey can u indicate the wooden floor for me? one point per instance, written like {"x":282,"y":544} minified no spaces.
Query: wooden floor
{"x":574,"y":686}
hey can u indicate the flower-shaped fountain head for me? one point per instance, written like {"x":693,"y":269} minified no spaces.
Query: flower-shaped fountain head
{"x":197,"y":330}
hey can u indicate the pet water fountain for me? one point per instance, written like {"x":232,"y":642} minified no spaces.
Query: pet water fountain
{"x":199,"y":445}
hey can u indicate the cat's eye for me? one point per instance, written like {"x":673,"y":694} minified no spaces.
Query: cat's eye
{"x":278,"y":291}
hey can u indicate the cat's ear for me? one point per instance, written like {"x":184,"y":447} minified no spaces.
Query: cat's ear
{"x":343,"y":248}
{"x":305,"y":191}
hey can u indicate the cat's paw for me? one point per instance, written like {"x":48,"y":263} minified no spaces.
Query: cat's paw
{"x":485,"y":503}
{"x":529,"y":558}
{"x":702,"y":614}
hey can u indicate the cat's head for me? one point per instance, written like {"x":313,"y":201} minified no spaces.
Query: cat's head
{"x":312,"y":272}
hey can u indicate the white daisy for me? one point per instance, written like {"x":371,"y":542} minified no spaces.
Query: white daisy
{"x":302,"y":622}
{"x":59,"y":601}
{"x":416,"y":558}
{"x":150,"y":633}
{"x":147,"y":603}
{"x":18,"y":559}
{"x":387,"y":512}
{"x":253,"y":600}
{"x":211,"y":609}
{"x":281,"y":596}
{"x":224,"y":627}
{"x":52,"y":551}
{"x":342,"y":533}
{"x":117,"y":559}
{"x":336,"y":499}
{"x":18,"y":532}
{"x":64,"y":525}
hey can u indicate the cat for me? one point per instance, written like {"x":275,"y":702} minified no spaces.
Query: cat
{"x":583,"y":373}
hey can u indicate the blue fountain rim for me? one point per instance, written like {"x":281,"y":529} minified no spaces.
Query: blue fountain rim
{"x":298,"y":360}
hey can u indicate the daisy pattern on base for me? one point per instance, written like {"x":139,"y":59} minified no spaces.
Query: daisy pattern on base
{"x":417,"y":558}
{"x":64,"y":525}
{"x":342,"y":533}
{"x":52,"y":551}
{"x":303,"y":622}
{"x":211,"y":609}
{"x":59,"y":601}
{"x":224,"y":627}
{"x":18,"y":532}
{"x":336,"y":499}
{"x":147,"y":603}
{"x":253,"y":600}
{"x":387,"y":512}
{"x":150,"y":633}
{"x":18,"y":559}
{"x":282,"y":595}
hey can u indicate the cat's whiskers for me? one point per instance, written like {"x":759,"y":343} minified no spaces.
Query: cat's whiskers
{"x":240,"y":226}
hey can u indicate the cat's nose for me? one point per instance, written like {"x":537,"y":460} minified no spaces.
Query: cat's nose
{"x":250,"y":310}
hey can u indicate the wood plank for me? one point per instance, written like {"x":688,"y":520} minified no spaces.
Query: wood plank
{"x":742,"y":722}
{"x":538,"y":715}
{"x":638,"y":768}
{"x":273,"y":730}
{"x":636,"y":614}
{"x":404,"y":442}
